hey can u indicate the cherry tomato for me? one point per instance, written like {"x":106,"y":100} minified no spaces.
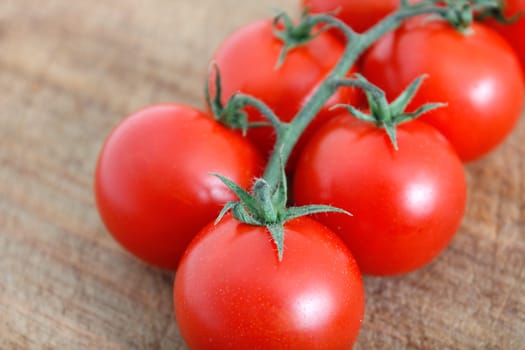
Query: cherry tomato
{"x":513,"y":32}
{"x":476,"y":73}
{"x":358,"y":14}
{"x":247,"y":63}
{"x":152,"y":184}
{"x":231,"y":291}
{"x":406,"y":204}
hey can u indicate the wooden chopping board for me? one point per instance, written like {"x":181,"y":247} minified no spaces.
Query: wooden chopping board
{"x":70,"y":70}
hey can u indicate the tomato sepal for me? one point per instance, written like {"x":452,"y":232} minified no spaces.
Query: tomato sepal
{"x":232,"y":114}
{"x":497,"y":12}
{"x":295,"y":35}
{"x":382,"y":113}
{"x":266,"y":206}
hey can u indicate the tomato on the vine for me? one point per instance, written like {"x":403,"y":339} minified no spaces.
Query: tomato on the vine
{"x":152,"y":183}
{"x":475,"y":72}
{"x":247,"y":63}
{"x":358,"y":14}
{"x":232,"y":292}
{"x":513,"y":32}
{"x":406,"y":204}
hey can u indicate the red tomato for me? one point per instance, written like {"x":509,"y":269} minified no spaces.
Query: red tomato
{"x":476,"y":73}
{"x":152,"y":184}
{"x":406,"y":204}
{"x":513,"y":32}
{"x":231,"y":292}
{"x":247,"y":63}
{"x":358,"y":14}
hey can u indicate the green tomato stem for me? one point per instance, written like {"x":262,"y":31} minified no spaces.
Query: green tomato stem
{"x":243,"y":100}
{"x":362,"y":84}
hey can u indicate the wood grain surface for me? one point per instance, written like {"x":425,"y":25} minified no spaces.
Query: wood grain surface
{"x":70,"y":70}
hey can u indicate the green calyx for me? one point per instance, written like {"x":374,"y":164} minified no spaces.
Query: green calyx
{"x":295,"y":35}
{"x":461,"y":13}
{"x":266,"y":206}
{"x":232,"y":114}
{"x":495,"y":9}
{"x":382,"y":113}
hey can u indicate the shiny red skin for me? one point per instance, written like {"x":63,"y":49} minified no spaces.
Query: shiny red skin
{"x":513,"y":32}
{"x":247,"y":62}
{"x":476,"y":73}
{"x":231,"y":292}
{"x":406,"y":204}
{"x":153,"y":186}
{"x":358,"y":14}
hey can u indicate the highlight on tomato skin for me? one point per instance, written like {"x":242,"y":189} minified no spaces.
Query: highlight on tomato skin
{"x":476,"y":73}
{"x":153,"y":187}
{"x":406,"y":204}
{"x":232,"y":292}
{"x":247,"y":62}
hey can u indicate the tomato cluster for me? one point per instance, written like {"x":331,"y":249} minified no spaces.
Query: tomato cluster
{"x":166,"y":172}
